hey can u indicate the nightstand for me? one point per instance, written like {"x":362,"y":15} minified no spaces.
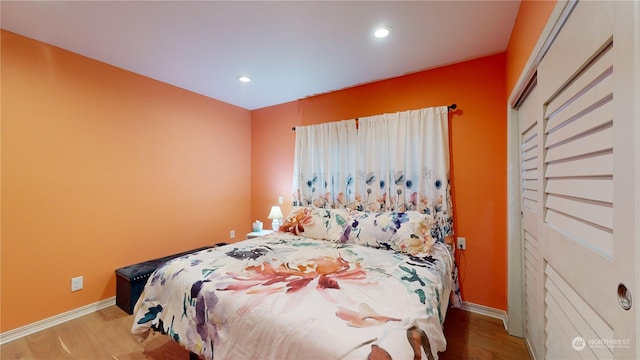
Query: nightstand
{"x":256,"y":234}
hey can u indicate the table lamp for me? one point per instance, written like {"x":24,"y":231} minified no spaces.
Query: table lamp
{"x":275,"y":215}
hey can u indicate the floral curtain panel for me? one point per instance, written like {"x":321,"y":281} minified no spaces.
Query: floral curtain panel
{"x":403,"y":164}
{"x":393,"y":162}
{"x":325,"y":161}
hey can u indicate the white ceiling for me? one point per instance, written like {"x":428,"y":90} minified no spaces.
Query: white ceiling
{"x":290,"y":49}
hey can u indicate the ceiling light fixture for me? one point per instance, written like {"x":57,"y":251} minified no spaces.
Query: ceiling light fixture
{"x":244,"y":79}
{"x":382,"y":32}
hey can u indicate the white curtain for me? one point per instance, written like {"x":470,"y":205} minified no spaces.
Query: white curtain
{"x":394,"y":162}
{"x":324,"y":165}
{"x":403,"y":163}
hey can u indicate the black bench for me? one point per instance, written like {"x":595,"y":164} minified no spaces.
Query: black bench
{"x":130,"y":280}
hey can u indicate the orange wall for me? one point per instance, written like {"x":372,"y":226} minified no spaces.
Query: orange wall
{"x":102,"y":168}
{"x":478,"y":148}
{"x":532,"y":18}
{"x":272,"y":150}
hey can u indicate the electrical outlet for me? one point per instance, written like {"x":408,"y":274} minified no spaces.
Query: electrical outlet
{"x":461,"y":243}
{"x":77,"y":283}
{"x":232,"y":234}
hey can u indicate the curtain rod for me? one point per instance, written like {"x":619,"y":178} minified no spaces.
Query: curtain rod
{"x":449,"y":108}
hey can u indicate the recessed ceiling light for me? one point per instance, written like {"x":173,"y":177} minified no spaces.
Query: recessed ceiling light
{"x":244,"y":79}
{"x":382,"y":32}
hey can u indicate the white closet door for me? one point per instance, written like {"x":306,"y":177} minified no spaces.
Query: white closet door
{"x":588,"y":187}
{"x":530,"y":126}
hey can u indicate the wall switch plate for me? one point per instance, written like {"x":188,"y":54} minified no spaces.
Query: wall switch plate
{"x":77,"y":283}
{"x":280,"y":200}
{"x":232,"y":234}
{"x":461,"y":243}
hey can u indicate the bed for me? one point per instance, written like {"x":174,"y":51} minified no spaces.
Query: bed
{"x":332,"y":284}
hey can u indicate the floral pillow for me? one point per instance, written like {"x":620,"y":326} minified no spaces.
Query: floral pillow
{"x":415,"y":238}
{"x":316,"y":223}
{"x":408,"y":232}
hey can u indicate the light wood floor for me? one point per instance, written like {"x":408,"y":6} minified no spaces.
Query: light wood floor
{"x":479,"y":337}
{"x":105,"y":335}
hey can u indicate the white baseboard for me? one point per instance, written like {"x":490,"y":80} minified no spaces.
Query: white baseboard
{"x":15,"y":334}
{"x":485,"y":310}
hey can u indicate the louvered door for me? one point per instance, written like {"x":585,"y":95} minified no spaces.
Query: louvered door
{"x":586,"y":232}
{"x":529,"y":115}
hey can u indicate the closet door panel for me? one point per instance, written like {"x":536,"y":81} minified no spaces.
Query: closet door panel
{"x":530,"y":127}
{"x":587,"y":233}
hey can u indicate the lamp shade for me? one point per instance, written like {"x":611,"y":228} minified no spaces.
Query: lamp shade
{"x":275,"y":213}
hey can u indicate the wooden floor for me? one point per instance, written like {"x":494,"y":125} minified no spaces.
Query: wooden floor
{"x":105,"y":335}
{"x":473,"y":336}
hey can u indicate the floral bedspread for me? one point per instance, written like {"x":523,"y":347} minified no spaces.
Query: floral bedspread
{"x":283,"y":296}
